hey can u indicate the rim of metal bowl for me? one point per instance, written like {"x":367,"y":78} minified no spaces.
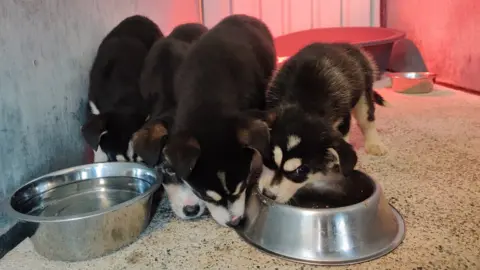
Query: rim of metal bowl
{"x":403,"y":75}
{"x":31,"y":218}
{"x":396,"y":242}
{"x":376,"y":193}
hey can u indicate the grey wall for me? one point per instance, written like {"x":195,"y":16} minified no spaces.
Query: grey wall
{"x":46,"y":49}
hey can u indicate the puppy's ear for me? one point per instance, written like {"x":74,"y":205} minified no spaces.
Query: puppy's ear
{"x":256,"y":164}
{"x":93,"y":130}
{"x":149,"y":141}
{"x":254,"y":133}
{"x":344,"y":155}
{"x":182,"y":152}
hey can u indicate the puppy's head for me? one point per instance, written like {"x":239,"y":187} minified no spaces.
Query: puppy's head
{"x":218,"y":169}
{"x":148,"y":144}
{"x":109,"y":136}
{"x":184,"y":203}
{"x":304,"y":150}
{"x":188,"y":32}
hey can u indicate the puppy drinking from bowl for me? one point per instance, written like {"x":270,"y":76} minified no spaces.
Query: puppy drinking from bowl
{"x":116,"y":107}
{"x":216,"y":135}
{"x":156,"y":85}
{"x":310,"y":101}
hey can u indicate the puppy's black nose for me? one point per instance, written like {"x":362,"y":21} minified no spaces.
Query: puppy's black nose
{"x":191,"y":210}
{"x":235,"y":222}
{"x":269,"y":194}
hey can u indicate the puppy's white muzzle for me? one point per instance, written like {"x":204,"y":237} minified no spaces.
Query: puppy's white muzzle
{"x":183,"y":202}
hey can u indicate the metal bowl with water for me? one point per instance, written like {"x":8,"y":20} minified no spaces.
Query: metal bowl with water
{"x":412,"y":82}
{"x":87,"y":211}
{"x":326,"y":230}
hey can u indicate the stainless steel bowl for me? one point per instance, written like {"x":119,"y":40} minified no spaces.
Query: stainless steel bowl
{"x":362,"y":231}
{"x":412,"y":82}
{"x":87,"y":211}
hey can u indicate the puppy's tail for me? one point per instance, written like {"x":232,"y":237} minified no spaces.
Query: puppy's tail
{"x":377,"y":98}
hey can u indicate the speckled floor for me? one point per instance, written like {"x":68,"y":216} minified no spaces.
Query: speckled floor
{"x":430,"y":175}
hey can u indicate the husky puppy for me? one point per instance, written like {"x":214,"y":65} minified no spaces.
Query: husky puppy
{"x":156,"y":86}
{"x":310,"y":102}
{"x":216,"y":136}
{"x":116,"y":108}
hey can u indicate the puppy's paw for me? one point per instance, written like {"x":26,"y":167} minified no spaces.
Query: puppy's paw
{"x":376,"y":148}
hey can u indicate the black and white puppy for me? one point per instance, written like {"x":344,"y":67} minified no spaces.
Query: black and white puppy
{"x":116,"y":108}
{"x":156,"y":85}
{"x":216,"y":134}
{"x":310,"y":101}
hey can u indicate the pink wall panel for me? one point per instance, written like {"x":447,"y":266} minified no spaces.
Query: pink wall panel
{"x":286,"y":16}
{"x":249,"y":7}
{"x":168,"y":14}
{"x":273,"y":14}
{"x":327,"y":13}
{"x":300,"y":14}
{"x":356,"y":12}
{"x":214,"y":11}
{"x":184,"y":11}
{"x":447,"y":36}
{"x":376,"y":15}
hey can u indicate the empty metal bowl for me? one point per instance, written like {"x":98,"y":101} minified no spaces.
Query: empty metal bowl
{"x":326,"y":230}
{"x":412,"y":82}
{"x":87,"y":211}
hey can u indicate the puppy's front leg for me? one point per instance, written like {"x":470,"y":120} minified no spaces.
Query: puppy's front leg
{"x":344,"y":127}
{"x":366,"y":122}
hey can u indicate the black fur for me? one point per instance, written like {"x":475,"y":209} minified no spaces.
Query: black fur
{"x":224,"y":75}
{"x":114,"y":86}
{"x":156,"y":86}
{"x":367,"y":66}
{"x":188,"y":32}
{"x":138,"y":27}
{"x":312,"y":97}
{"x":378,"y":99}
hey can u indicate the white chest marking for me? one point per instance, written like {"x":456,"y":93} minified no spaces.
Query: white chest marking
{"x":93,"y":108}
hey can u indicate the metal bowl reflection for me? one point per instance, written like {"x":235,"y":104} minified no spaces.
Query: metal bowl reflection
{"x":342,"y":234}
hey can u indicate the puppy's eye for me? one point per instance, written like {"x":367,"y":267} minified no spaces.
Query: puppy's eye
{"x":301,"y":171}
{"x":165,"y":169}
{"x":169,"y":171}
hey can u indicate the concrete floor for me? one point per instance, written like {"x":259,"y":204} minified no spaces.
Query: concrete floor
{"x":430,"y":175}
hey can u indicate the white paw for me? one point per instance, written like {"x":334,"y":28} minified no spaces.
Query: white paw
{"x":376,"y":148}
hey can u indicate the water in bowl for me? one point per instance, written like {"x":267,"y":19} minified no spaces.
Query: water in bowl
{"x":86,"y":196}
{"x":355,"y":189}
